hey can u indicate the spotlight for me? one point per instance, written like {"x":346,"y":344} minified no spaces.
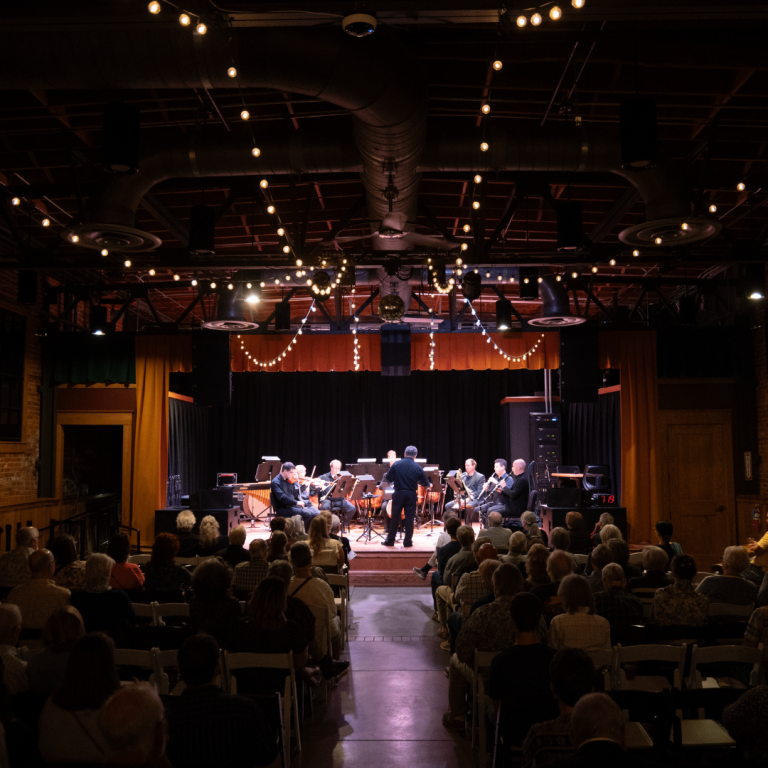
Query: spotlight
{"x":263,"y":183}
{"x":154,"y":7}
{"x":485,"y":109}
{"x":521,"y":21}
{"x":245,"y":115}
{"x":232,"y":72}
{"x":255,"y":151}
{"x":271,"y":209}
{"x":252,"y":298}
{"x":184,"y":20}
{"x":484,"y":147}
{"x":713,"y":208}
{"x":536,"y":19}
{"x":476,"y":205}
{"x":177,"y":278}
{"x":497,"y":65}
{"x":46,"y":222}
{"x":104,"y":252}
{"x":15,"y":201}
{"x":478,"y":179}
{"x":201,"y":28}
{"x":127,"y":263}
{"x":466,"y":228}
{"x":741,"y":186}
{"x":555,"y":13}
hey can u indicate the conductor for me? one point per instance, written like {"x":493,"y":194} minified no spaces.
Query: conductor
{"x":405,"y":475}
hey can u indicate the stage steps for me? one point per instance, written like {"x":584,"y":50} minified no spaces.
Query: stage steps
{"x":389,"y":568}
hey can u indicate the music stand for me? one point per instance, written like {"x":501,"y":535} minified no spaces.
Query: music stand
{"x":363,"y":492}
{"x":378,"y":471}
{"x":455,"y":483}
{"x":433,"y":475}
{"x":268,"y":469}
{"x":343,"y":486}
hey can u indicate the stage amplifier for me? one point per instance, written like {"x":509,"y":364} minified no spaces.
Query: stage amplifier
{"x":545,"y":450}
{"x":568,"y":497}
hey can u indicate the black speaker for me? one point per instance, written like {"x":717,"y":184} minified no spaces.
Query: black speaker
{"x":282,"y":316}
{"x":566,"y":497}
{"x":26,"y":290}
{"x":395,"y":350}
{"x":579,"y":372}
{"x":216,"y":498}
{"x":211,"y":374}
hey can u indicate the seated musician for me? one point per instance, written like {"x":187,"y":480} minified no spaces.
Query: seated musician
{"x":306,"y":488}
{"x":284,"y":494}
{"x":509,"y":496}
{"x":473,"y":482}
{"x":342,"y":507}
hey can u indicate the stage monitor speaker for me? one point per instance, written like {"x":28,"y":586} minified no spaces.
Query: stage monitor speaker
{"x":579,"y":372}
{"x":26,"y":290}
{"x":566,"y":497}
{"x":211,"y":374}
{"x":396,"y":350}
{"x":215,"y":498}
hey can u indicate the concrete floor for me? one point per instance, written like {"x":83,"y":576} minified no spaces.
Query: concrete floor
{"x":387,"y":710}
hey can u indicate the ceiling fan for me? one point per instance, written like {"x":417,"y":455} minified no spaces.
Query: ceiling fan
{"x":392,"y":227}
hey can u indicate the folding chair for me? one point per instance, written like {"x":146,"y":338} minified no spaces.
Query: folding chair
{"x":636,"y":558}
{"x":145,"y":611}
{"x":734,"y":612}
{"x":701,"y":732}
{"x":729,"y":654}
{"x":128,"y":657}
{"x":169,"y":609}
{"x":505,"y":755}
{"x":652,"y":709}
{"x":235,"y":661}
{"x":483,"y":659}
{"x":342,"y":603}
{"x":139,"y":559}
{"x":581,"y":560}
{"x":605,"y":666}
{"x":645,"y":596}
{"x":674,"y":654}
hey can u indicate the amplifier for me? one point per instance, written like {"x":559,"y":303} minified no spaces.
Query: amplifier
{"x":568,"y":497}
{"x":218,"y":498}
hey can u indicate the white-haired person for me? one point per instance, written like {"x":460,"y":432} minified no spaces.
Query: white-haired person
{"x":655,"y":576}
{"x":533,"y":533}
{"x":103,"y":609}
{"x":336,"y":535}
{"x":606,"y":518}
{"x":299,"y":532}
{"x":235,"y":552}
{"x":189,"y":543}
{"x":14,"y":566}
{"x":579,"y":626}
{"x":247,"y":576}
{"x":211,"y":540}
{"x":731,"y":588}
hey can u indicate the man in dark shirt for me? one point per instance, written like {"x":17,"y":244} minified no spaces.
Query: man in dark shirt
{"x":516,"y":494}
{"x":473,"y":482}
{"x":285,"y":496}
{"x":345,"y":509}
{"x":235,"y":553}
{"x":519,"y":679}
{"x":405,"y":475}
{"x":205,"y":724}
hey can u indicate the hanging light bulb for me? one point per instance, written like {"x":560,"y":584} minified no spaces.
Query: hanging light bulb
{"x":201,"y":28}
{"x":263,"y":183}
{"x":154,"y":7}
{"x":574,"y":275}
{"x":286,"y":249}
{"x":635,"y":253}
{"x":657,"y":240}
{"x":104,"y":252}
{"x":232,"y":72}
{"x":177,"y":278}
{"x":245,"y":115}
{"x":15,"y":201}
{"x":555,"y":13}
{"x":262,"y":284}
{"x":476,"y":205}
{"x":594,"y":270}
{"x":497,"y":65}
{"x":466,"y":227}
{"x":713,"y":208}
{"x":485,"y":109}
{"x":684,"y":226}
{"x":521,"y":21}
{"x":255,"y":151}
{"x":558,"y":278}
{"x":184,"y":20}
{"x":484,"y":147}
{"x":487,"y":274}
{"x":280,"y":231}
{"x":213,"y":286}
{"x":299,"y":262}
{"x":193,"y":283}
{"x":151,"y":273}
{"x":741,"y":186}
{"x":612,"y":262}
{"x":46,"y":222}
{"x":464,"y":247}
{"x":127,"y":263}
{"x":577,"y":3}
{"x":536,"y":19}
{"x":270,"y":209}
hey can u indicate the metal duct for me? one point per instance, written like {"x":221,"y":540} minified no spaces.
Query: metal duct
{"x":555,"y":307}
{"x":229,"y":314}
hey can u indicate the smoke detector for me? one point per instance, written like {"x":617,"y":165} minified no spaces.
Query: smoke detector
{"x":113,"y":237}
{"x":677,"y":231}
{"x":359,"y":24}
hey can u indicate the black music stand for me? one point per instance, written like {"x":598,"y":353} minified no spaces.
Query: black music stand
{"x":344,"y":485}
{"x":268,"y":469}
{"x":363,"y":492}
{"x":378,"y":471}
{"x":455,"y":483}
{"x":433,"y":475}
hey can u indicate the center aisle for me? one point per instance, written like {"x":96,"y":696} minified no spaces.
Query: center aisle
{"x":387,"y":710}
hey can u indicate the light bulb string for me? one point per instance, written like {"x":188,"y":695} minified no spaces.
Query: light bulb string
{"x":280,"y":355}
{"x":487,"y":333}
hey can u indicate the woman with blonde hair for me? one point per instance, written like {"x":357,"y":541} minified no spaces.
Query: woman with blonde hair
{"x":188,"y":542}
{"x":210,"y":539}
{"x":325,"y":550}
{"x":608,"y":532}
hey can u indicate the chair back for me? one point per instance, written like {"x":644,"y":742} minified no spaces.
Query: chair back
{"x":661,"y":653}
{"x":580,"y":559}
{"x":731,"y":654}
{"x":128,"y":657}
{"x":144,"y":611}
{"x":596,"y":478}
{"x":189,"y":561}
{"x":139,"y":559}
{"x":645,"y":596}
{"x":636,"y":558}
{"x":169,"y":609}
{"x":726,"y":609}
{"x":605,"y":665}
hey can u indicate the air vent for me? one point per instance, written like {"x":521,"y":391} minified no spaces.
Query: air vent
{"x":671,"y":232}
{"x":113,"y":237}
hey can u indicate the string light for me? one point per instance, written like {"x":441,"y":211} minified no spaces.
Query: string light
{"x":555,"y":13}
{"x":484,"y":147}
{"x":713,"y":208}
{"x":193,"y":283}
{"x":485,"y":109}
{"x":201,"y":28}
{"x":466,"y":228}
{"x":281,"y":355}
{"x":245,"y":115}
{"x":255,"y":151}
{"x":464,"y":246}
{"x":104,"y":252}
{"x":431,"y":347}
{"x":635,"y":253}
{"x":232,"y":72}
{"x":213,"y":286}
{"x":741,"y":186}
{"x":154,"y":7}
{"x":476,"y":205}
{"x":497,"y":65}
{"x":184,"y":20}
{"x":612,"y":262}
{"x":521,"y":21}
{"x":263,"y":183}
{"x":127,"y":263}
{"x":270,"y":209}
{"x":478,"y":179}
{"x":536,"y":19}
{"x":657,"y":240}
{"x":46,"y":222}
{"x":577,"y":3}
{"x":74,"y":238}
{"x":485,"y":332}
{"x":151,"y":273}
{"x":286,"y":249}
{"x":15,"y":201}
{"x":177,"y":278}
{"x":594,"y":270}
{"x":280,"y":231}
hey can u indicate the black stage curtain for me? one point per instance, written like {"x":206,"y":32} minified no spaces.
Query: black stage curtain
{"x":592,"y":435}
{"x":190,"y":452}
{"x":312,"y":418}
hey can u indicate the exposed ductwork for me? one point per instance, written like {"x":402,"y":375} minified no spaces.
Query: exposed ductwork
{"x":555,"y":307}
{"x":229,"y":314}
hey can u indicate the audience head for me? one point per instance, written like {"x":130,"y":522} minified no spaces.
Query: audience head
{"x":290,"y":527}
{"x":735,"y":560}
{"x":608,"y":532}
{"x":664,"y":529}
{"x":209,"y":531}
{"x":601,"y":556}
{"x":613,"y":576}
{"x":132,"y":722}
{"x":237,"y":536}
{"x":487,"y":569}
{"x":411,"y":451}
{"x":64,"y":550}
{"x":277,"y":524}
{"x":301,"y":555}
{"x":606,"y":518}
{"x":560,"y":539}
{"x":574,"y":521}
{"x":28,"y":537}
{"x":559,"y":565}
{"x":494,"y":520}
{"x":165,"y":549}
{"x":536,"y":564}
{"x":452,"y":526}
{"x":517,"y":543}
{"x":277,"y":544}
{"x":63,"y":629}
{"x":486,"y":551}
{"x":683,"y":567}
{"x":266,"y":608}
{"x":281,"y":569}
{"x":528,"y":519}
{"x":298,"y":526}
{"x":41,"y":564}
{"x":185,"y":521}
{"x":98,"y":572}
{"x":572,"y":673}
{"x":448,"y":514}
{"x":119,"y":547}
{"x":318,"y":530}
{"x":525,"y":610}
{"x":257,"y":549}
{"x":576,"y":593}
{"x":335,"y":525}
{"x":90,"y":677}
{"x":211,"y":580}
{"x":596,"y":716}
{"x":326,"y":515}
{"x":619,"y":550}
{"x":10,"y":624}
{"x":199,"y":660}
{"x":465,"y":535}
{"x":655,"y":559}
{"x":507,"y":580}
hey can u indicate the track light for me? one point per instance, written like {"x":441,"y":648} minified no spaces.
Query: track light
{"x":232,"y":72}
{"x":184,"y":20}
{"x":536,"y":19}
{"x":154,"y":7}
{"x":245,"y":115}
{"x":255,"y":151}
{"x":201,"y":28}
{"x":555,"y":13}
{"x":484,"y":147}
{"x":521,"y":21}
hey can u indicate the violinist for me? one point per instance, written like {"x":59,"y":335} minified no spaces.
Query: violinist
{"x":343,"y":508}
{"x":473,"y":483}
{"x":285,"y":497}
{"x":306,"y":485}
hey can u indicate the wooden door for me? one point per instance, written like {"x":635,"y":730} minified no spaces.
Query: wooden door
{"x":696,"y":472}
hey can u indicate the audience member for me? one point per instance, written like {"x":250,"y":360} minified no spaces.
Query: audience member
{"x":679,"y":604}
{"x":655,"y":562}
{"x":249,"y":575}
{"x":601,"y":556}
{"x":165,"y":579}
{"x":45,"y":670}
{"x":536,"y":567}
{"x":69,"y":730}
{"x":325,"y":550}
{"x":610,"y":531}
{"x":559,"y":565}
{"x":606,"y":518}
{"x":560,"y":539}
{"x":745,"y":721}
{"x":757,"y":631}
{"x":290,"y":531}
{"x":211,"y":540}
{"x":731,"y":588}
{"x":531,"y":530}
{"x":235,"y":552}
{"x":132,"y":723}
{"x":14,"y":568}
{"x":299,"y":532}
{"x":620,"y":551}
{"x":495,"y":533}
{"x":614,"y":603}
{"x":14,"y":668}
{"x":464,"y":560}
{"x":664,"y":534}
{"x":444,"y":554}
{"x":486,"y":570}
{"x":581,"y":543}
{"x":296,"y":610}
{"x":211,"y":608}
{"x":70,"y":571}
{"x":278,"y":524}
{"x":579,"y":626}
{"x":572,"y":675}
{"x":126,"y":576}
{"x":519,"y":676}
{"x":336,"y":535}
{"x":277,"y":547}
{"x":203,"y":708}
{"x":103,"y":609}
{"x":189,"y":543}
{"x":39,"y":597}
{"x":516,"y":555}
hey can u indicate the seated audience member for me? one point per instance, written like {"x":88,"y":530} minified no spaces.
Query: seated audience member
{"x":620,"y":551}
{"x":536,"y":567}
{"x":531,"y":530}
{"x":203,"y":708}
{"x":464,"y":560}
{"x":520,"y":682}
{"x":655,"y":562}
{"x":189,"y":543}
{"x":211,"y":608}
{"x":132,"y":724}
{"x":606,"y":518}
{"x":560,"y":539}
{"x":70,"y":571}
{"x":14,"y":668}
{"x":579,"y":626}
{"x":444,"y":554}
{"x":559,"y":565}
{"x":745,"y":721}
{"x":103,"y":609}
{"x":211,"y":540}
{"x":581,"y":543}
{"x":278,"y":524}
{"x":731,"y":588}
{"x":39,"y":597}
{"x":757,"y":631}
{"x":572,"y":675}
{"x":69,"y":729}
{"x":679,"y":604}
{"x":336,"y":536}
{"x":601,"y":556}
{"x":299,"y":534}
{"x":248,"y":575}
{"x":325,"y":550}
{"x":126,"y":576}
{"x":45,"y":670}
{"x":277,"y":547}
{"x":165,"y":579}
{"x":235,"y":552}
{"x":14,"y":567}
{"x":663,"y":535}
{"x":296,"y":610}
{"x":495,"y":533}
{"x":614,"y":603}
{"x":516,"y":551}
{"x":486,"y":570}
{"x":290,"y":531}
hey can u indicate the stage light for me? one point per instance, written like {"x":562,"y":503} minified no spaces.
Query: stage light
{"x":184,"y":20}
{"x":255,"y":151}
{"x":46,"y":222}
{"x":521,"y":21}
{"x":270,"y":209}
{"x":497,"y":65}
{"x":15,"y":201}
{"x":485,"y":109}
{"x":232,"y":72}
{"x":154,"y":7}
{"x":201,"y":28}
{"x":245,"y":115}
{"x":536,"y":19}
{"x":484,"y":147}
{"x":177,"y":278}
{"x":127,"y":263}
{"x":104,"y":252}
{"x":555,"y":13}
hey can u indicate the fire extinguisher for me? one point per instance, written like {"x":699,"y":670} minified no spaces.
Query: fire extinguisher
{"x":756,"y":519}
